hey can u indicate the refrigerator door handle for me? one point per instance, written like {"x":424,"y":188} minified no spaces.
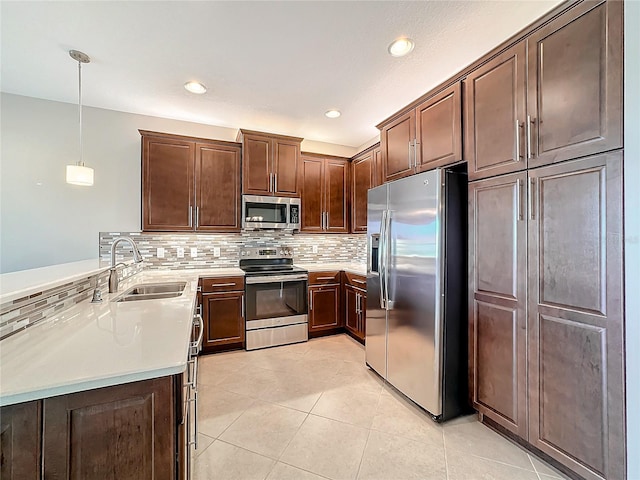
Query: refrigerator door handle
{"x":381,"y":248}
{"x":387,"y":254}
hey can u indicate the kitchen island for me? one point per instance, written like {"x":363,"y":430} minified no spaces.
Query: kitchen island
{"x":101,"y":390}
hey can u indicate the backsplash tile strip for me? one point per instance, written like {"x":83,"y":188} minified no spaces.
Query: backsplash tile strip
{"x":27,"y":311}
{"x":331,"y":248}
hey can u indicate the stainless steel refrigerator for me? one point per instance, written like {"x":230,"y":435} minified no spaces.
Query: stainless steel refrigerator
{"x":416,"y":334}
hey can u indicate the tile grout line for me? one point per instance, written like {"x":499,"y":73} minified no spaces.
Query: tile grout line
{"x":362,"y":456}
{"x":291,"y":439}
{"x":534,"y":467}
{"x":446,"y":460}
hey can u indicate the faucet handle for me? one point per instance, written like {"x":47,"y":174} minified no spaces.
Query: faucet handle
{"x":97,"y":296}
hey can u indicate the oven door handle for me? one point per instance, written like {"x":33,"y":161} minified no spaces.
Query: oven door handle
{"x":275,"y":279}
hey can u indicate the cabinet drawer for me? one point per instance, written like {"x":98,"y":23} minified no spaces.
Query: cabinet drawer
{"x":324,"y":278}
{"x":221,"y":284}
{"x":358,"y":281}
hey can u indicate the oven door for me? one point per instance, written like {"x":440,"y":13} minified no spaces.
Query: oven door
{"x":274,"y":300}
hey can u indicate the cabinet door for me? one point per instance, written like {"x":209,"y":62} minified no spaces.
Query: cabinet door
{"x":20,"y":440}
{"x":396,"y":143}
{"x":494,"y":97}
{"x":336,"y":195}
{"x":312,"y":194}
{"x":256,"y":165}
{"x":286,"y":168}
{"x":439,"y":129}
{"x":167,"y":184}
{"x":363,"y":315}
{"x":351,"y":317}
{"x":125,"y":431}
{"x":378,"y":177}
{"x":575,"y":88}
{"x":217,"y":188}
{"x":223,"y":319}
{"x":497,"y":314}
{"x":324,"y":308}
{"x":361,"y":182}
{"x":576,"y":371}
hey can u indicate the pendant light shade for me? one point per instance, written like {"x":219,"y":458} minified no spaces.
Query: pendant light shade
{"x":79,"y":174}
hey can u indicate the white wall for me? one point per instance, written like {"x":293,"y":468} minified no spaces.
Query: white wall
{"x":632,"y":230}
{"x":45,"y":221}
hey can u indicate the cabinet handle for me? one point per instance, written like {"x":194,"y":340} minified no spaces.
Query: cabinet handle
{"x":197,"y":216}
{"x":310,"y":301}
{"x":518,"y":199}
{"x":231,"y":284}
{"x":517,"y":140}
{"x":242,"y":305}
{"x":532,"y":215}
{"x":529,"y":122}
{"x":275,"y":182}
{"x":190,"y":216}
{"x":415,"y":153}
{"x":409,"y":155}
{"x":361,"y":282}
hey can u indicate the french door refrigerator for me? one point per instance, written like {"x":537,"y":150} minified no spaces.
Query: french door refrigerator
{"x":416,"y":335}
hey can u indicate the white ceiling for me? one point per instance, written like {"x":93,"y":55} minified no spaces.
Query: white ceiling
{"x":270,"y":66}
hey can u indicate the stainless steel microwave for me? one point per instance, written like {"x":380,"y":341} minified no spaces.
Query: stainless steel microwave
{"x":260,"y":212}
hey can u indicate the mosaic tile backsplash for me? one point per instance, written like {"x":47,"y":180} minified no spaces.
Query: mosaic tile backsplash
{"x":24,"y":312}
{"x":223,"y":250}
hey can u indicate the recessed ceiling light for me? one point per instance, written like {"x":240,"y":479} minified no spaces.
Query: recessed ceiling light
{"x":195,"y":87}
{"x":401,"y":46}
{"x":332,"y":113}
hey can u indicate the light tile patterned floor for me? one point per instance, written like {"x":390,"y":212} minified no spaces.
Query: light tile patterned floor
{"x":315,"y":411}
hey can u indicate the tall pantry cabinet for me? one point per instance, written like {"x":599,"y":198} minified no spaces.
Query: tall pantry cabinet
{"x":543,"y":140}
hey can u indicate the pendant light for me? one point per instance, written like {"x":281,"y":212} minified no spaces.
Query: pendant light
{"x":79,"y":174}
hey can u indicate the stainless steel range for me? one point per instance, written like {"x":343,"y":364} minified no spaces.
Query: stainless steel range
{"x":275,"y":297}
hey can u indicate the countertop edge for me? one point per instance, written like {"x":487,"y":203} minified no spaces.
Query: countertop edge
{"x":83,"y":386}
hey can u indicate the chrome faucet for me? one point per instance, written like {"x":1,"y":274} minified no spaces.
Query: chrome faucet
{"x":113,"y":274}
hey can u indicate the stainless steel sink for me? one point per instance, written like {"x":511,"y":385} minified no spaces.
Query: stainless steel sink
{"x":152,"y":291}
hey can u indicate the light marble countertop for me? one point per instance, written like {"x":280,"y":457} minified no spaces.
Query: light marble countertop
{"x":20,"y":284}
{"x":357,"y":268}
{"x":97,"y":345}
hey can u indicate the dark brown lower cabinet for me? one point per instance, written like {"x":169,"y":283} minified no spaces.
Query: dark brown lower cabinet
{"x":575,"y":320}
{"x":549,"y":242}
{"x":20,"y":441}
{"x":324,"y":308}
{"x":498,"y":300}
{"x":355,"y":305}
{"x":223,"y":320}
{"x":123,"y":432}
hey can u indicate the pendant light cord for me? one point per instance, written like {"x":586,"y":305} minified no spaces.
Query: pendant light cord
{"x":81,"y":163}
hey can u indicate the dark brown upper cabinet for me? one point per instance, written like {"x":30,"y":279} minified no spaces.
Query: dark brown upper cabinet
{"x":167,"y":183}
{"x":425,"y":137}
{"x":396,"y":143}
{"x":378,"y":173}
{"x":554,"y":96}
{"x":189,"y":184}
{"x":575,"y":84}
{"x":495,"y":102}
{"x":362,"y":178}
{"x":439,"y":130}
{"x":325,"y":194}
{"x":271,"y":164}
